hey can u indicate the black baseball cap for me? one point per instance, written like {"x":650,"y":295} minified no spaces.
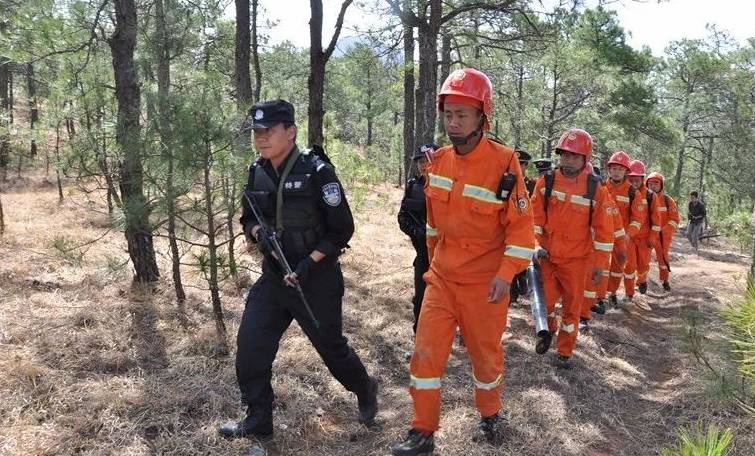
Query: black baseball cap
{"x":267,"y":114}
{"x":423,"y":150}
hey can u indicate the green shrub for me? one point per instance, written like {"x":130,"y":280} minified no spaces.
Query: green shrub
{"x":736,"y":226}
{"x":740,"y":318}
{"x":700,"y":442}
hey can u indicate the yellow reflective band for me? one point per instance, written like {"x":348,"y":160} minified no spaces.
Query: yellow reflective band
{"x":603,"y":246}
{"x":630,"y":276}
{"x":590,"y":294}
{"x":517,"y":251}
{"x":636,"y":225}
{"x":538,"y":229}
{"x":623,"y":199}
{"x":606,"y":273}
{"x":617,"y":274}
{"x":561,"y":196}
{"x":662,"y":209}
{"x":487,"y":386}
{"x":441,"y":182}
{"x":619,"y":233}
{"x":430,"y":231}
{"x":582,"y":201}
{"x":567,"y":328}
{"x":673,"y":223}
{"x":424,"y":383}
{"x":656,"y":228}
{"x":480,"y":193}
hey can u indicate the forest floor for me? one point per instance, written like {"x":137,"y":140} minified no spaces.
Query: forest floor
{"x":92,"y":365}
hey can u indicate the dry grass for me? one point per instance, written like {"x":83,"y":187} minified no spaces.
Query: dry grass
{"x":91,"y":365}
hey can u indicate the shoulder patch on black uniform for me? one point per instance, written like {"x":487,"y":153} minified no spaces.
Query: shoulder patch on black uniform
{"x":331,"y":194}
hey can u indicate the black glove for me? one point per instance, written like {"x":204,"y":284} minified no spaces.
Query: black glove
{"x":302,"y":269}
{"x":263,"y":244}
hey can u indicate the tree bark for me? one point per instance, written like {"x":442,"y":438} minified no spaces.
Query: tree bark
{"x":136,"y":210}
{"x":255,"y":53}
{"x":243,"y":41}
{"x":212,"y":249}
{"x":164,"y":113}
{"x":2,"y":216}
{"x":683,"y":149}
{"x":318,"y":58}
{"x":408,"y":94}
{"x":57,"y":163}
{"x":425,"y":98}
{"x":31,"y":92}
{"x":5,"y":107}
{"x":445,"y":65}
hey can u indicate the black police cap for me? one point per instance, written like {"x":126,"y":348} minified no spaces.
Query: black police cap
{"x":423,"y":150}
{"x":523,"y":156}
{"x":543,"y":163}
{"x":267,"y":114}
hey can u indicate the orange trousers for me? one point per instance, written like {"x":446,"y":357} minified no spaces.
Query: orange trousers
{"x":446,"y":306}
{"x":627,"y":271}
{"x":593,"y":293}
{"x":642,"y":255}
{"x":565,"y":280}
{"x":662,"y":256}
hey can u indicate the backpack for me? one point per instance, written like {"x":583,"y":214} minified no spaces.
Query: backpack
{"x":649,"y":197}
{"x":592,"y":185}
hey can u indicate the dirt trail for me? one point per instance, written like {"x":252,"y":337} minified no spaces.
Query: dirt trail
{"x":89,"y":365}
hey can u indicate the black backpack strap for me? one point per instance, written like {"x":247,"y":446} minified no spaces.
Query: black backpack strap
{"x":592,"y":187}
{"x":549,"y":178}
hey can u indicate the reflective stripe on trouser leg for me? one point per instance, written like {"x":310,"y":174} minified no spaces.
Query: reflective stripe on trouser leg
{"x":615,"y":275}
{"x":435,"y":334}
{"x":663,"y":271}
{"x":552,"y":292}
{"x":589,"y":296}
{"x":643,"y":260}
{"x":571,"y":278}
{"x":482,"y":325}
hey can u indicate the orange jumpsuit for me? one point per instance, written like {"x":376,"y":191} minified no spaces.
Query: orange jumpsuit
{"x":633,"y":215}
{"x":596,"y":292}
{"x":669,"y":221}
{"x":472,"y":237}
{"x":573,"y":246}
{"x":648,"y":236}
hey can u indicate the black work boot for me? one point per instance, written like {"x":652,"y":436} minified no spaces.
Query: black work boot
{"x":562,"y":362}
{"x":642,"y":287}
{"x":415,"y":444}
{"x":666,"y":286}
{"x":258,"y":423}
{"x":368,"y":403}
{"x":584,"y":325}
{"x":487,"y":430}
{"x":599,"y":307}
{"x":543,"y":343}
{"x":613,"y":300}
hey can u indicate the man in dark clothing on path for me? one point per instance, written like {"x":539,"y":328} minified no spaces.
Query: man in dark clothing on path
{"x":300,"y":199}
{"x":412,"y":219}
{"x":696,"y":215}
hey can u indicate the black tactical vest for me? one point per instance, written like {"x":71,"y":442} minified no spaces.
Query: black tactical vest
{"x":302,"y":225}
{"x":415,"y":199}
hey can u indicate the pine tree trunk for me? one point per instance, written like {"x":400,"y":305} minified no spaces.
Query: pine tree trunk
{"x":166,"y":138}
{"x":445,"y":66}
{"x":57,"y":162}
{"x":135,"y":207}
{"x":212,"y":275}
{"x":408,"y":95}
{"x":31,"y":91}
{"x":427,"y":89}
{"x":683,"y":148}
{"x":241,"y":73}
{"x":2,"y":217}
{"x":4,"y":106}
{"x":255,"y":53}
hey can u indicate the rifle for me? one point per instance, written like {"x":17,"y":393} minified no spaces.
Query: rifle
{"x":539,"y":312}
{"x":272,"y":238}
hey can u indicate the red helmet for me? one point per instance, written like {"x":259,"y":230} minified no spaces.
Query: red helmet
{"x":576,"y":141}
{"x":636,"y":168}
{"x":656,"y":176}
{"x":619,"y":158}
{"x":469,"y":83}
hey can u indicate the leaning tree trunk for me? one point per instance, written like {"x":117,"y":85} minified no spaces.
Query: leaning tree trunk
{"x":408,"y":95}
{"x":136,"y":210}
{"x":168,"y":152}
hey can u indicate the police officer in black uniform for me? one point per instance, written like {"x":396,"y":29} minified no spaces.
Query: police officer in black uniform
{"x":542,"y":165}
{"x":298,"y":195}
{"x":524,"y":160}
{"x":412,"y":219}
{"x":519,"y":283}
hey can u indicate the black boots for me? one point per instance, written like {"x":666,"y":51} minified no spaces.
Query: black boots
{"x":487,"y":430}
{"x":642,"y":287}
{"x":415,"y":444}
{"x":368,"y":404}
{"x":666,"y":286}
{"x":258,"y":423}
{"x":613,"y":300}
{"x":562,"y":362}
{"x":584,"y":325}
{"x":599,"y":307}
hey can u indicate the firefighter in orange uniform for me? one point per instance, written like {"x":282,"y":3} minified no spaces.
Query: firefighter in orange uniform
{"x":669,"y":223}
{"x":574,"y":232}
{"x":650,"y":231}
{"x":633,"y":212}
{"x":597,"y":292}
{"x":479,"y":235}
